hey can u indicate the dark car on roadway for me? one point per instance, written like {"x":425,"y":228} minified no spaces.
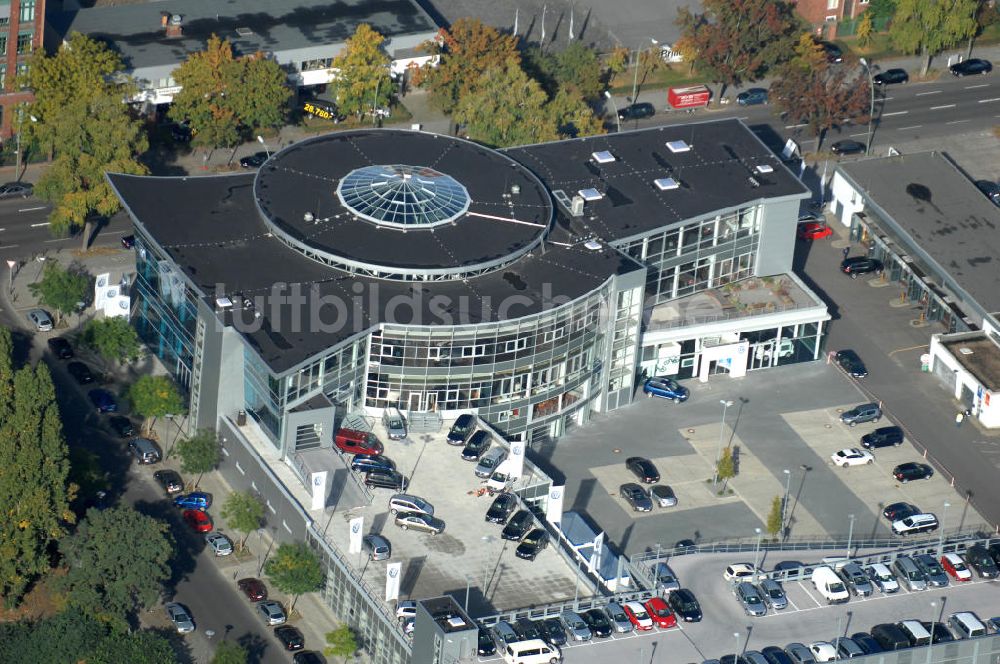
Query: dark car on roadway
{"x":685,"y":605}
{"x":848,"y":147}
{"x":477,"y":446}
{"x":486,"y":646}
{"x":170,"y":480}
{"x":637,"y":111}
{"x":61,"y":348}
{"x":517,"y":526}
{"x":833,"y":53}
{"x":128,"y":241}
{"x":307,"y":657}
{"x":752,"y":97}
{"x":461,"y":429}
{"x":16,"y":189}
{"x":970,"y":67}
{"x":979,"y":559}
{"x":532,"y":544}
{"x":882,"y":437}
{"x":103,"y":400}
{"x":363,"y":463}
{"x":80,"y":372}
{"x":891,"y":77}
{"x":856,"y":265}
{"x":501,"y":508}
{"x":256,"y":160}
{"x":290,"y":638}
{"x":897,"y":511}
{"x":912,"y":470}
{"x":636,"y":496}
{"x":181,"y":133}
{"x":122,"y":426}
{"x":644,"y":469}
{"x":553,"y":631}
{"x":851,"y":363}
{"x":598,"y":623}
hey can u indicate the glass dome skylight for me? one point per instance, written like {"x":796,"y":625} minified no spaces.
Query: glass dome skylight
{"x":403,"y":196}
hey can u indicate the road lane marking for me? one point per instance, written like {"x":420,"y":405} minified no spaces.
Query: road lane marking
{"x":43,"y":223}
{"x":885,"y":115}
{"x":806,"y":591}
{"x":59,"y":239}
{"x":938,"y":108}
{"x":864,"y":133}
{"x":932,"y":92}
{"x":795,"y":126}
{"x":957,"y":122}
{"x":986,"y":101}
{"x":981,"y":85}
{"x":911,"y":127}
{"x":40,"y":207}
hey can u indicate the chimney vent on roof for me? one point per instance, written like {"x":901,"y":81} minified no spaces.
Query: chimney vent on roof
{"x":244,"y":32}
{"x":964,"y":350}
{"x":174,"y":25}
{"x":576,"y":206}
{"x":308,"y":217}
{"x":515,"y":189}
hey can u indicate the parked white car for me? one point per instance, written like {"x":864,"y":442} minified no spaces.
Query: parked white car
{"x":852,"y":456}
{"x":741,"y":572}
{"x":221,"y":545}
{"x":179,"y":616}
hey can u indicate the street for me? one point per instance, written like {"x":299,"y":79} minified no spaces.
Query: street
{"x":24,"y":230}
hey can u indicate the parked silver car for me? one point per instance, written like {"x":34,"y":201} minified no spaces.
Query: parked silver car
{"x":377,"y":547}
{"x":489,"y":462}
{"x":575,"y":626}
{"x":773,"y":593}
{"x":619,"y":621}
{"x":40,"y":319}
{"x":750,"y":599}
{"x":179,"y":616}
{"x":666,"y":580}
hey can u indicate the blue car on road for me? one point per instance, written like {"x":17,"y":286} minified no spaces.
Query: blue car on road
{"x":195,"y":500}
{"x":104,"y":401}
{"x":666,"y":388}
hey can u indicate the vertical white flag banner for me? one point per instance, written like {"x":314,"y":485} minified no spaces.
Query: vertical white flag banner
{"x":101,"y":290}
{"x":392,"y":573}
{"x":319,"y":490}
{"x":357,"y":528}
{"x":554,"y":506}
{"x":595,"y":557}
{"x":516,"y":459}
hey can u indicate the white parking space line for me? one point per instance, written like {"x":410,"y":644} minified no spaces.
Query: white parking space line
{"x":58,"y":239}
{"x":973,"y":87}
{"x":885,"y":115}
{"x":986,"y":101}
{"x":794,"y":126}
{"x":43,"y":223}
{"x":940,"y":108}
{"x":40,"y":207}
{"x":806,"y":591}
{"x":910,"y":127}
{"x":791,"y":603}
{"x":953,"y":122}
{"x":932,"y":92}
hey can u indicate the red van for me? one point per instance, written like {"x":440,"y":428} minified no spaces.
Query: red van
{"x":353,"y":441}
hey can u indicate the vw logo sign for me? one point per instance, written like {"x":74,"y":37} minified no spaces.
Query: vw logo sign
{"x":318,"y":481}
{"x":356,"y":527}
{"x":555,"y":494}
{"x":393,"y":573}
{"x":516,"y":450}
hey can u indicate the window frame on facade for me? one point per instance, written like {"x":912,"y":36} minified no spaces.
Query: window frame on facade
{"x":25,"y":42}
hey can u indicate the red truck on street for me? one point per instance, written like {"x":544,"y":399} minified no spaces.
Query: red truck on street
{"x":688,"y":97}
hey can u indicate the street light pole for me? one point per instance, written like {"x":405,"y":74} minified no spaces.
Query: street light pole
{"x":736,"y":652}
{"x":944,"y":513}
{"x":260,"y":139}
{"x":756,"y":550}
{"x":635,"y":72}
{"x":722,"y":433}
{"x":871,"y":110}
{"x":614,"y":107}
{"x":850,"y":534}
{"x":784,"y":501}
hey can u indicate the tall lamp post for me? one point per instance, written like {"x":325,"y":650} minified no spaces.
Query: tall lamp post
{"x":260,"y":139}
{"x":871,"y":110}
{"x":635,"y":71}
{"x":756,"y":550}
{"x":784,"y":501}
{"x":944,"y":513}
{"x":850,"y":534}
{"x":722,"y":433}
{"x":614,"y":107}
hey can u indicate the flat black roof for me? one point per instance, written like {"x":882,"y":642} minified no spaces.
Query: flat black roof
{"x":943,"y":212}
{"x":303,"y":179}
{"x":210,"y":227}
{"x":135,"y":30}
{"x":713,"y":174}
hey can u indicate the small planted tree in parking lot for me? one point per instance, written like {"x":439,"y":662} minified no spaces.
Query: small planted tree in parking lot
{"x":62,"y":289}
{"x":200,"y":454}
{"x":155,"y":396}
{"x":294,"y":569}
{"x":726,"y":467}
{"x":341,"y":642}
{"x":244,"y":513}
{"x":114,"y":339}
{"x":774,"y":517}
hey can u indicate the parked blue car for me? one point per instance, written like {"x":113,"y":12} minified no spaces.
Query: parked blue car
{"x":194,"y":501}
{"x":104,"y":401}
{"x":666,"y":388}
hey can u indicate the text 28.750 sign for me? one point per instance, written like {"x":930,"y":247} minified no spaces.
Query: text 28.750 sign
{"x":319,"y":110}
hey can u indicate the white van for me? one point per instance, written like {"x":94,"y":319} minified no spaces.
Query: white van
{"x":967,"y":625}
{"x":829,"y":585}
{"x":533,"y":651}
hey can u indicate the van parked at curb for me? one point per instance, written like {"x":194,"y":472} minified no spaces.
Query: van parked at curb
{"x":534,"y":651}
{"x":829,"y":585}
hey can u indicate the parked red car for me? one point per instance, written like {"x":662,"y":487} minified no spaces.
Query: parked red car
{"x":814,"y":230}
{"x":197,"y":520}
{"x":353,"y":441}
{"x":254,"y":589}
{"x":660,"y":613}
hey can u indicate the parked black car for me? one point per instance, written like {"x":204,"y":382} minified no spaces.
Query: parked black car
{"x":598,"y":623}
{"x":636,"y":496}
{"x":848,"y":147}
{"x":636,"y":111}
{"x":528,"y":629}
{"x":882,"y":437}
{"x":477,"y":446}
{"x":970,"y":67}
{"x":891,"y":77}
{"x":122,"y":426}
{"x":855,"y":265}
{"x":169,"y":480}
{"x":834,"y":54}
{"x":775,"y":655}
{"x":851,"y":363}
{"x":889,"y":637}
{"x":291,"y":638}
{"x":897,"y":511}
{"x":501,"y":508}
{"x":644,"y":469}
{"x":532,"y":544}
{"x":517,"y":526}
{"x":979,"y":559}
{"x":383,"y":478}
{"x":461,"y":429}
{"x":553,"y":631}
{"x":866,"y":642}
{"x":362,"y":463}
{"x":256,"y":160}
{"x":486,"y":646}
{"x":685,"y":605}
{"x":939,"y":632}
{"x":81,"y":372}
{"x":61,"y":348}
{"x":912,"y":470}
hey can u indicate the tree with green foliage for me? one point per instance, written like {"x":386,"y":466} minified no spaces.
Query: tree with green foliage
{"x":811,"y":91}
{"x":224,"y":98}
{"x":573,"y":117}
{"x":617,"y":61}
{"x":77,"y":114}
{"x":881,"y":10}
{"x":466,"y":52}
{"x":117,"y":562}
{"x":576,"y":70}
{"x":507,"y":108}
{"x":62,"y":289}
{"x":737,"y":41}
{"x":774,"y":517}
{"x":341,"y":642}
{"x":930,"y":26}
{"x":140,"y":647}
{"x":113,"y":339}
{"x":229,"y":652}
{"x":35,"y":493}
{"x":244,"y":513}
{"x":201,"y":453}
{"x":725,"y":468}
{"x":362,"y":81}
{"x":294,"y":569}
{"x":864,"y":30}
{"x":153,"y":397}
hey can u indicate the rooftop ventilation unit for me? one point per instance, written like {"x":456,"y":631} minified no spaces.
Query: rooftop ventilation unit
{"x":754,"y":182}
{"x":765,"y":168}
{"x":603,"y":157}
{"x":308,"y":217}
{"x":593,"y":245}
{"x":223,"y":302}
{"x":244,"y":32}
{"x":590,"y":195}
{"x":678,"y":146}
{"x":666,"y":184}
{"x":576,"y":206}
{"x":965,"y":351}
{"x":515,"y":189}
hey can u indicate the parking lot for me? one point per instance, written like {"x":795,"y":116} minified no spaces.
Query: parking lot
{"x":469,"y":552}
{"x":786,"y":418}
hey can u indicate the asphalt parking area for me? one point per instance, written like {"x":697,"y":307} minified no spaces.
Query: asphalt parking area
{"x":469,"y":553}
